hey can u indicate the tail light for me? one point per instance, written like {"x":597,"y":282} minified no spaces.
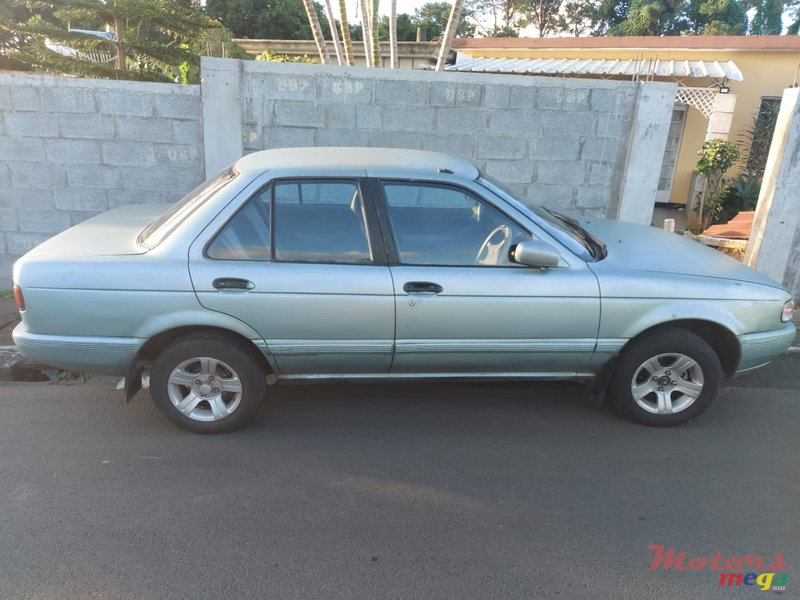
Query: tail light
{"x":19,"y":298}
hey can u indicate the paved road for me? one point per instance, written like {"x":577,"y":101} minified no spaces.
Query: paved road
{"x":392,"y":491}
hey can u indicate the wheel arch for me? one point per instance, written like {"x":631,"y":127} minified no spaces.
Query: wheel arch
{"x":721,"y":339}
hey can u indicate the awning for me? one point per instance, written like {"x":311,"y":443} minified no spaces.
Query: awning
{"x":600,"y":67}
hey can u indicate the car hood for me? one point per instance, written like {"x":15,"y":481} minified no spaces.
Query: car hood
{"x":112,"y":233}
{"x":642,"y":248}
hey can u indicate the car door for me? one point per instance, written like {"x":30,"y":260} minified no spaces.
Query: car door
{"x":462,"y":306}
{"x":301,"y":261}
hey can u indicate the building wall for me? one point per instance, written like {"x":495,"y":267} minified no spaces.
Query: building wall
{"x":765,"y":72}
{"x":71,"y":148}
{"x":558,"y":142}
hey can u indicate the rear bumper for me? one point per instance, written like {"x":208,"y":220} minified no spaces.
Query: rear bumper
{"x":759,"y":349}
{"x":94,"y":354}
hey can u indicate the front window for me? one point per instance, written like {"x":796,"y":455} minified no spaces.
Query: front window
{"x":436,"y":224}
{"x":169,"y":220}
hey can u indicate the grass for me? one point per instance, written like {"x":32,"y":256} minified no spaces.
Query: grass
{"x":6,"y":295}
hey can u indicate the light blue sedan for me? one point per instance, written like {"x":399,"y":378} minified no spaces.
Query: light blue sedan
{"x":383,"y":264}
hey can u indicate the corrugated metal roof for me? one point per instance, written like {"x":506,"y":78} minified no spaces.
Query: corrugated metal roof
{"x":600,"y":67}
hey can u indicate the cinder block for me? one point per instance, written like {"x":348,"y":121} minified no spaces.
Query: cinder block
{"x":93,"y":176}
{"x":18,"y":244}
{"x":25,"y":198}
{"x":36,"y":176}
{"x":138,"y":129}
{"x":498,"y":96}
{"x":341,"y":116}
{"x":575,"y":99}
{"x":72,"y":151}
{"x":394,"y":139}
{"x":122,"y":197}
{"x":80,"y":199}
{"x":550,"y":98}
{"x":8,"y":219}
{"x":601,"y":174}
{"x":22,"y":149}
{"x":289,"y":137}
{"x":94,"y":127}
{"x":26,"y":97}
{"x":605,"y":100}
{"x":128,"y":153}
{"x":404,"y":118}
{"x":159,"y":178}
{"x":461,"y":120}
{"x":459,"y":94}
{"x":350,"y":90}
{"x":178,"y":154}
{"x":30,"y":124}
{"x":401,"y":93}
{"x":523,"y":96}
{"x":457,"y":145}
{"x":601,"y":149}
{"x":79,"y":216}
{"x":187,"y":132}
{"x":299,"y":114}
{"x":569,"y":124}
{"x":561,"y":172}
{"x":614,"y":124}
{"x":558,"y":197}
{"x":511,"y":171}
{"x":593,"y":196}
{"x":135,"y":104}
{"x":495,"y":146}
{"x":178,"y":106}
{"x":5,"y":97}
{"x":368,"y":117}
{"x":342,"y":137}
{"x":516,"y":122}
{"x":43,"y":221}
{"x":297,"y":88}
{"x":64,"y":99}
{"x":555,"y":148}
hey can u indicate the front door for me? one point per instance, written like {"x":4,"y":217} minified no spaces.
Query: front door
{"x":463,"y":307}
{"x":297,"y":261}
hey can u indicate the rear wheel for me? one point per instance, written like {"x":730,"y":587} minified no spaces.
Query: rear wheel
{"x":207,"y":383}
{"x":666,"y":378}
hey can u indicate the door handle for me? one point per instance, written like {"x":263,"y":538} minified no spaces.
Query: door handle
{"x":422,"y":287}
{"x":232,"y":283}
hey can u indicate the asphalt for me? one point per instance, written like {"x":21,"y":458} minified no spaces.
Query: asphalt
{"x":393,"y":491}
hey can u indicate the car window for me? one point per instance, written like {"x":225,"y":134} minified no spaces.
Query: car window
{"x":247,"y":235}
{"x":443,"y":225}
{"x":320,"y":221}
{"x":169,"y":220}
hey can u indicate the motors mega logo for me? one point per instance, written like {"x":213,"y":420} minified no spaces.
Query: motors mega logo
{"x":750,"y":570}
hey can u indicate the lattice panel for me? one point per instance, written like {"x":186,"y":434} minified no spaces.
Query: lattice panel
{"x":701,"y":98}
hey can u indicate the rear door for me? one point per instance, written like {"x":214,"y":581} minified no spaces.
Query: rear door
{"x":462,"y":306}
{"x":300,"y":260}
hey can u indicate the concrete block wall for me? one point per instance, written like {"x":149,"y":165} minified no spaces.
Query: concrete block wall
{"x":71,"y":148}
{"x":563,"y":143}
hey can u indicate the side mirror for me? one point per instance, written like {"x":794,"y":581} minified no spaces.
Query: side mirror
{"x":535,"y":253}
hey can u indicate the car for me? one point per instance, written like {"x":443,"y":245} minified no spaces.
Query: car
{"x":385,"y":264}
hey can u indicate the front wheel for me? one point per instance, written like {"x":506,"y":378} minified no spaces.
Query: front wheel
{"x":207,"y":383}
{"x":666,"y":378}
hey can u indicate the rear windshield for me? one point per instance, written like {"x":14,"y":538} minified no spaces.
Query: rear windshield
{"x":166,"y":223}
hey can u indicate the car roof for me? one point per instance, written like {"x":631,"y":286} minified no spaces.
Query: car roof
{"x":349,"y":158}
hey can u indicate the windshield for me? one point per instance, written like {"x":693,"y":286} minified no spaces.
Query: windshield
{"x":565,"y":229}
{"x":166,"y":223}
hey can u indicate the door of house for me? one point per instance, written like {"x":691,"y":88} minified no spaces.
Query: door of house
{"x":671,"y":152}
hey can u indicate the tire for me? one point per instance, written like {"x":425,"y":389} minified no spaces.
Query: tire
{"x":207,"y":383}
{"x":666,"y":378}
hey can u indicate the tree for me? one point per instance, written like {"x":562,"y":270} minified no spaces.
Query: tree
{"x":579,"y":17}
{"x":768,"y":17}
{"x":265,"y":19}
{"x":334,"y":34}
{"x":544,"y":15}
{"x":500,"y":18}
{"x":449,"y":33}
{"x":138,"y":39}
{"x":316,"y":31}
{"x":393,"y":35}
{"x":345,"y":27}
{"x":713,"y":17}
{"x":432,"y":17}
{"x":649,"y":17}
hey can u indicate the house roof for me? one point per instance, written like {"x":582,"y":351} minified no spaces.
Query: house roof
{"x":600,"y":67}
{"x":698,"y":42}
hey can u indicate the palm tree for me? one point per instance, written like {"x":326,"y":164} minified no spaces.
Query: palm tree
{"x":375,"y":44}
{"x":366,"y":26}
{"x":346,"y":41}
{"x":450,"y":33}
{"x":316,"y":30}
{"x":393,"y":35}
{"x":334,"y":35}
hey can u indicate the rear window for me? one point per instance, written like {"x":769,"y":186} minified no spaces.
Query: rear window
{"x":166,"y":223}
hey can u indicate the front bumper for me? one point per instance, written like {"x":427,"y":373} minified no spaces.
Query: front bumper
{"x":93,"y":354}
{"x":759,"y":349}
